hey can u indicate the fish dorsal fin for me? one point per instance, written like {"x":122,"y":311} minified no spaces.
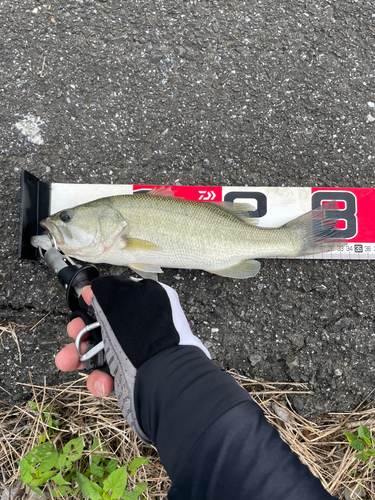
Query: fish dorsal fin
{"x":165,"y":191}
{"x":242,"y":270}
{"x":239,"y":210}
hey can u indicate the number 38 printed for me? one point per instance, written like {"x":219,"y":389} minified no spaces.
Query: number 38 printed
{"x":347,"y":214}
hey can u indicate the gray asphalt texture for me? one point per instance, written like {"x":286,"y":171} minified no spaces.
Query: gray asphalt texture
{"x":258,"y":93}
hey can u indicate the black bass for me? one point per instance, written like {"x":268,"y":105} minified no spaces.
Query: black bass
{"x":148,"y":231}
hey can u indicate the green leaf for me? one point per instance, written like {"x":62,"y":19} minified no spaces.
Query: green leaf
{"x":97,"y":470}
{"x":43,"y":478}
{"x":137,"y":462}
{"x":58,"y":479}
{"x":47,"y":474}
{"x":62,"y":491}
{"x":97,"y":459}
{"x":111,"y":466}
{"x":370,"y":452}
{"x":42,"y":438}
{"x":63,"y":462}
{"x":48,"y":461}
{"x":361,"y":456}
{"x":35,"y":490}
{"x":138,"y":490}
{"x":81,"y":480}
{"x":38,"y":453}
{"x":363,"y":432}
{"x":116,"y":482}
{"x":357,"y":445}
{"x":37,"y":482}
{"x":130,"y":495}
{"x":25,"y":470}
{"x":33,"y":405}
{"x":95,"y":443}
{"x":94,"y":490}
{"x":68,"y":477}
{"x":349,"y":436}
{"x":96,"y":446}
{"x":371,"y":466}
{"x":98,"y":451}
{"x":74,"y":449}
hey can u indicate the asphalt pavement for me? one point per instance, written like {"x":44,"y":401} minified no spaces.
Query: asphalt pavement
{"x":258,"y":93}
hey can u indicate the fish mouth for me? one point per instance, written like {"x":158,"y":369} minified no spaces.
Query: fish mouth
{"x":53,"y":230}
{"x":45,"y":224}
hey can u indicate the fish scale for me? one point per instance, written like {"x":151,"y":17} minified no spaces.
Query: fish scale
{"x":205,"y":230}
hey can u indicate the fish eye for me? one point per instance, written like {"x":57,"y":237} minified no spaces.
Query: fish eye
{"x":65,"y":216}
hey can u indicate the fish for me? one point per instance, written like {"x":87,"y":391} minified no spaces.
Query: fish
{"x":158,"y":229}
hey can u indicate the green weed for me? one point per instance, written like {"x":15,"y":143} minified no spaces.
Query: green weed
{"x":363,"y":443}
{"x":50,"y":418}
{"x":64,"y":472}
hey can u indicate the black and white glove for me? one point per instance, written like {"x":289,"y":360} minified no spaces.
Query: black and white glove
{"x":138,"y":318}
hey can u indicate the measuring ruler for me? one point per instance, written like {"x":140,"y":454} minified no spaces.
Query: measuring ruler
{"x":273,"y":206}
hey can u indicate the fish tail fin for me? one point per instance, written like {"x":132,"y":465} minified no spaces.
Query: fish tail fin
{"x":317,"y":229}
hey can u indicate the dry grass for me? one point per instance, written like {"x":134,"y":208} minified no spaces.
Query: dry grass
{"x":79,"y":414}
{"x":10,"y":329}
{"x":319,"y":444}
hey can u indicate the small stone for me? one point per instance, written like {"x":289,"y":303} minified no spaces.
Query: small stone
{"x":292,"y":364}
{"x":31,"y":495}
{"x":15,"y":492}
{"x":282,"y":413}
{"x":340,"y":325}
{"x":338,"y":372}
{"x":156,"y":57}
{"x":18,"y":396}
{"x":180,"y":51}
{"x":255,"y":359}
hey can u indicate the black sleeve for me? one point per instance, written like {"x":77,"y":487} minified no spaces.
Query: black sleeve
{"x":213,"y":440}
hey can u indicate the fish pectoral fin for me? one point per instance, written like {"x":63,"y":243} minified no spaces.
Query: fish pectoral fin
{"x":242,"y":270}
{"x":147,"y":271}
{"x":138,"y":244}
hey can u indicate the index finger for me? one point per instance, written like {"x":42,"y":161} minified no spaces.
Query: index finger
{"x":87,"y":294}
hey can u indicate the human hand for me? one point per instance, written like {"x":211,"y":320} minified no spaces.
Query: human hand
{"x":138,"y":319}
{"x":99,"y":383}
